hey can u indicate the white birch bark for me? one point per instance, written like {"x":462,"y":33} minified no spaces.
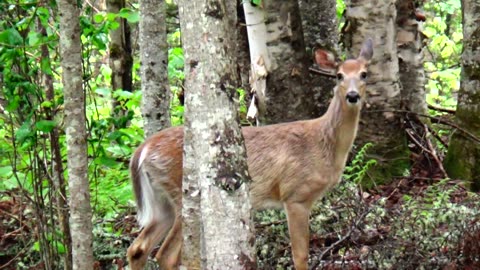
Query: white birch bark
{"x":380,"y":124}
{"x":259,"y":57}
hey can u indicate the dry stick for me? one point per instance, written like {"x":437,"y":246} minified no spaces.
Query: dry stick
{"x":441,"y":109}
{"x":434,"y":153}
{"x":437,"y":119}
{"x":435,"y":134}
{"x":418,"y":143}
{"x":345,"y":237}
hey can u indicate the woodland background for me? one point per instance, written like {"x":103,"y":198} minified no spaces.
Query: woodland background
{"x":410,"y":195}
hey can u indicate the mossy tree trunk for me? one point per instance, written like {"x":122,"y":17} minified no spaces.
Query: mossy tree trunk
{"x":217,"y":227}
{"x":463,"y":158}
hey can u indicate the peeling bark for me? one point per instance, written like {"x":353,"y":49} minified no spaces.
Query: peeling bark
{"x":410,"y":57}
{"x":71,"y":61}
{"x":289,"y":96}
{"x":463,"y":158}
{"x":156,"y":93}
{"x":216,"y":208}
{"x":379,"y":124}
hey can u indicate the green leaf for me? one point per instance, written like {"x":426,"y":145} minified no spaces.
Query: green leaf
{"x":11,"y":37}
{"x":46,"y":104}
{"x":106,"y":92}
{"x":36,"y":246}
{"x":45,"y":125}
{"x":5,"y":171}
{"x":60,"y":247}
{"x":23,"y":132}
{"x":256,"y":2}
{"x":34,"y":38}
{"x":45,"y":66}
{"x":130,"y":15}
{"x":99,"y":17}
{"x":106,"y":161}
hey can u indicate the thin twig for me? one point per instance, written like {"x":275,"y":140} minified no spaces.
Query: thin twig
{"x":434,"y":153}
{"x":441,"y":109}
{"x":417,"y":142}
{"x":4,"y":266}
{"x":341,"y":240}
{"x":437,"y":119}
{"x":435,"y":134}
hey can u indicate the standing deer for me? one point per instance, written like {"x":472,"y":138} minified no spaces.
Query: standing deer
{"x":291,"y":165}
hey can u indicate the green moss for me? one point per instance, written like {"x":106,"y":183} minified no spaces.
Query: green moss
{"x":461,"y":160}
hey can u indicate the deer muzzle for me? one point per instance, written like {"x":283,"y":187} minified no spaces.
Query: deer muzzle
{"x":352,"y":97}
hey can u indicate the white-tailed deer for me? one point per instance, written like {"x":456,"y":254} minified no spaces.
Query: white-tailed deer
{"x":291,"y":164}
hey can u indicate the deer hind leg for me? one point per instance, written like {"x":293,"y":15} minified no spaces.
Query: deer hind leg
{"x":298,"y":228}
{"x":143,"y":245}
{"x":169,"y":254}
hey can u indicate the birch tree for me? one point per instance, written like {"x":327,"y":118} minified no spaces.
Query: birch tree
{"x":288,"y":96}
{"x":380,"y":124}
{"x":77,"y":166}
{"x":410,"y":53}
{"x":216,"y":208}
{"x":153,"y":69}
{"x":463,"y":158}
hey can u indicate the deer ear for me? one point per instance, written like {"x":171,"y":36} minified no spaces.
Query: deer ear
{"x":325,"y":61}
{"x":367,"y":50}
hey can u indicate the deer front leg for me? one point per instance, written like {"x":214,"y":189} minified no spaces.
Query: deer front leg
{"x":298,"y":228}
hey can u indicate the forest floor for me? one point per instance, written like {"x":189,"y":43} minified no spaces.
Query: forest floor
{"x":349,"y":240}
{"x":413,"y":222}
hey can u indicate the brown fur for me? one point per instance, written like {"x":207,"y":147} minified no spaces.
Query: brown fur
{"x":291,"y":165}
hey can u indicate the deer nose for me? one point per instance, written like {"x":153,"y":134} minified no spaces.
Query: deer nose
{"x":353,"y":97}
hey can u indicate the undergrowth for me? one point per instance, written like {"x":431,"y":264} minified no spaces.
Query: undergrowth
{"x":406,"y":225}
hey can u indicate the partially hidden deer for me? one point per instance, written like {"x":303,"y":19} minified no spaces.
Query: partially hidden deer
{"x":291,"y":165}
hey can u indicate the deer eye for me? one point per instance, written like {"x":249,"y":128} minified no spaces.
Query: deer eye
{"x":339,"y":76}
{"x":363,"y":75}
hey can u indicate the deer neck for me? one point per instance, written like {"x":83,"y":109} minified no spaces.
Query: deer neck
{"x":339,"y":129}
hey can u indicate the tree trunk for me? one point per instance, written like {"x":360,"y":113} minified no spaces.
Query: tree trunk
{"x":80,"y":209}
{"x":289,"y":96}
{"x":410,"y":57}
{"x":260,"y":59}
{"x":320,"y":30}
{"x":120,"y":57}
{"x":154,"y":60}
{"x":58,"y":177}
{"x":379,"y":125}
{"x":216,"y":201}
{"x":463,"y":158}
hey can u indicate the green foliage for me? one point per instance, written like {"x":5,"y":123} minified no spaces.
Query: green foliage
{"x":358,"y":167}
{"x":340,"y":9}
{"x":443,"y":29}
{"x":256,"y":2}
